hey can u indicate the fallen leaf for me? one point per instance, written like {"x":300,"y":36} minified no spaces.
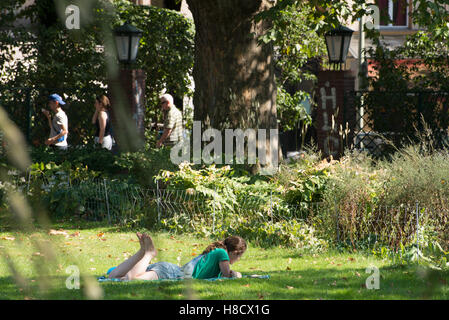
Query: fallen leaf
{"x":76,"y":234}
{"x":100,"y":234}
{"x":299,"y":277}
{"x":246,"y":285}
{"x":260,"y":296}
{"x":288,"y":268}
{"x":290,"y":288}
{"x":53,"y":232}
{"x":37,"y":254}
{"x":193,"y":254}
{"x":351,"y":259}
{"x":334,"y":283}
{"x":8,"y":238}
{"x":357,"y":274}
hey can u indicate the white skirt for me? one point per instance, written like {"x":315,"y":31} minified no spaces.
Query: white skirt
{"x":107,"y":142}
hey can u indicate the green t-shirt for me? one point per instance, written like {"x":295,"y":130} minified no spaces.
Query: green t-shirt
{"x":209,"y":265}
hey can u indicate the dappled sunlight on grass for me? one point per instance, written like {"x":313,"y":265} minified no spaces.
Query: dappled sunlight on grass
{"x":331,"y":275}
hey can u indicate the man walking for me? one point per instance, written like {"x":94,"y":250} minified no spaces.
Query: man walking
{"x":59,"y":127}
{"x":172,"y":122}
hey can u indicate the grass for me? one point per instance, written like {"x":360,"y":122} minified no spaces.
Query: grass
{"x":95,"y":248}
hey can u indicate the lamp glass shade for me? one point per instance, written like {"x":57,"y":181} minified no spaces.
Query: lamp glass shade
{"x":134,"y":47}
{"x":127,"y":38}
{"x":346,"y":44}
{"x":122,"y":43}
{"x":338,"y":41}
{"x":334,"y":47}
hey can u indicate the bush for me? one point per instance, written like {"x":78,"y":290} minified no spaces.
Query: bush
{"x":226,"y":203}
{"x":377,"y":200}
{"x":91,"y":156}
{"x":143,"y":166}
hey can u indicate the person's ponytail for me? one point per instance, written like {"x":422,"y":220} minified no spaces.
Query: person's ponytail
{"x":213,"y":246}
{"x":230,"y":244}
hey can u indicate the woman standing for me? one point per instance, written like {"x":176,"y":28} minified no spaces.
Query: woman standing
{"x":102,"y":122}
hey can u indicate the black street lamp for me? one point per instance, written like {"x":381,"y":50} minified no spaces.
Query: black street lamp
{"x":337,"y":43}
{"x":127,"y":91}
{"x":127,"y":39}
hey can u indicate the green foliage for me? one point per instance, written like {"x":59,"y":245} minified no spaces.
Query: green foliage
{"x":296,"y":43}
{"x":291,"y":110}
{"x":234,"y":204}
{"x":90,"y":156}
{"x":377,"y":201}
{"x":77,"y":63}
{"x":143,"y":166}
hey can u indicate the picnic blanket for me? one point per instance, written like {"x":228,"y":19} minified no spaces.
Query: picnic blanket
{"x":253,"y":276}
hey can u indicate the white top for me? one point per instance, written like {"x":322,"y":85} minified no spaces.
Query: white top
{"x":58,"y":120}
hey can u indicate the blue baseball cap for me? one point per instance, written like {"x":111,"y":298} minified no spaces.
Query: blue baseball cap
{"x":56,"y":97}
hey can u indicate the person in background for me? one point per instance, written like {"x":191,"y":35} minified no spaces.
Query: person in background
{"x":59,"y":124}
{"x":102,"y":122}
{"x":172,"y":133}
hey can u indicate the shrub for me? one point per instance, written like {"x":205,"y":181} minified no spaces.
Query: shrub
{"x":227,"y":203}
{"x":143,"y":166}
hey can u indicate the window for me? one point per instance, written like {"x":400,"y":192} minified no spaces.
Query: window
{"x":393,"y":13}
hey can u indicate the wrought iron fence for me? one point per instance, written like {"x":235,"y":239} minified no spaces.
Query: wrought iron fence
{"x":383,"y":121}
{"x":369,"y":225}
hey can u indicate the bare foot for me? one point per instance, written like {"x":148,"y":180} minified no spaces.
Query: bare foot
{"x":140,"y":237}
{"x":148,"y":245}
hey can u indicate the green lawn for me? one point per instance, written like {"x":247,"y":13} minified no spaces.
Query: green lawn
{"x":94,"y":249}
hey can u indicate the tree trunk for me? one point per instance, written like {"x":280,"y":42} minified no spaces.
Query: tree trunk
{"x":234,"y":76}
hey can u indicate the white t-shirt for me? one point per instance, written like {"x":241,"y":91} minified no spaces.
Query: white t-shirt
{"x":58,"y":120}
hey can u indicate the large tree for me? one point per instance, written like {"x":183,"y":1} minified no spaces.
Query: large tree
{"x":234,"y":75}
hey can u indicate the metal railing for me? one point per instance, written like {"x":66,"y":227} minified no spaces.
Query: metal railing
{"x":383,"y":121}
{"x":116,"y":202}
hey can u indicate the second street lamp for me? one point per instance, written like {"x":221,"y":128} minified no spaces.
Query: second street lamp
{"x":337,"y":43}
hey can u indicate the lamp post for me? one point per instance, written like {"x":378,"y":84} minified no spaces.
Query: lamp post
{"x":128,"y":90}
{"x":337,"y":44}
{"x":332,"y":85}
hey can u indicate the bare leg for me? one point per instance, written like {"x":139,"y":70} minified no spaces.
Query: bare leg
{"x":128,"y":264}
{"x":140,"y":268}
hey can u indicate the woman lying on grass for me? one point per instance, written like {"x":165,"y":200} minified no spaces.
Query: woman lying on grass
{"x":214,"y":262}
